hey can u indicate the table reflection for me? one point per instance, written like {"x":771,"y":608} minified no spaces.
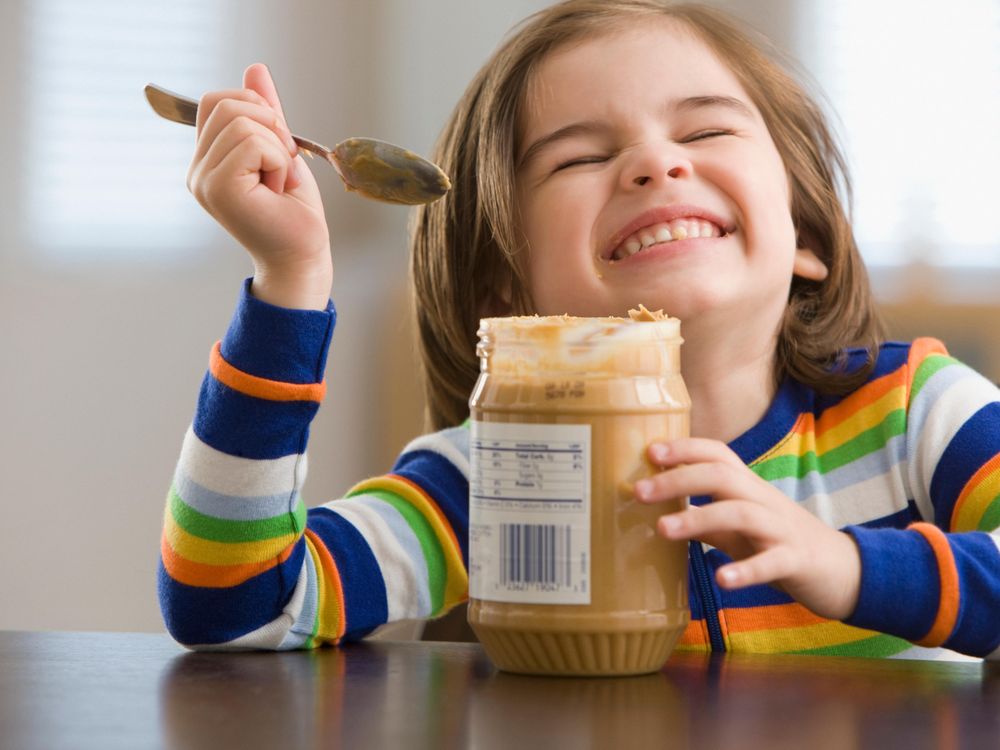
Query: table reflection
{"x":449,"y":695}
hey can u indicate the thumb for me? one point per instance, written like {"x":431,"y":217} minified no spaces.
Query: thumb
{"x":258,"y":78}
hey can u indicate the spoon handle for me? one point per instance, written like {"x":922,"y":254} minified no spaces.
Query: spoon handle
{"x":182,"y":109}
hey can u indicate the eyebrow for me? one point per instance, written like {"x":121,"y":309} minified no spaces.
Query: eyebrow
{"x":592,"y":127}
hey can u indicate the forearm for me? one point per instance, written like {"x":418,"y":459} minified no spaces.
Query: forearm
{"x":930,"y":587}
{"x":244,"y":565}
{"x":233,"y":551}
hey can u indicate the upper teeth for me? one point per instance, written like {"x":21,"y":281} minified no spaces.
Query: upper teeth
{"x":678,"y":229}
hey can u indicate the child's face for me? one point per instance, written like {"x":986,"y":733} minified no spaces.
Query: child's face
{"x":653,"y":134}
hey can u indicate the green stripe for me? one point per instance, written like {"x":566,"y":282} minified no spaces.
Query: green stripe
{"x":437,"y":570}
{"x":930,"y":366}
{"x":990,"y":520}
{"x":225,"y":530}
{"x":869,"y":441}
{"x":877,"y":646}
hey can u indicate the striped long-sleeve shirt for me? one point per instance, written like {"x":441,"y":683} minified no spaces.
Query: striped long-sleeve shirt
{"x":909,"y":464}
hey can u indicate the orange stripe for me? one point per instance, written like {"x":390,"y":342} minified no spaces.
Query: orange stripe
{"x":947,"y":615}
{"x":331,"y":579}
{"x":864,"y":396}
{"x":214,"y":576}
{"x":980,"y":476}
{"x":695,"y":634}
{"x":251,"y":385}
{"x":920,"y":350}
{"x":770,"y":617}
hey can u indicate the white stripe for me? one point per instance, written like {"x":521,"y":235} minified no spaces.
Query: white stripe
{"x":859,"y":503}
{"x":235,"y":475}
{"x":873,"y":464}
{"x":267,"y":636}
{"x":452,"y":444}
{"x":950,"y":411}
{"x":407,"y":592}
{"x":932,"y":654}
{"x":403,"y":533}
{"x":305,"y":616}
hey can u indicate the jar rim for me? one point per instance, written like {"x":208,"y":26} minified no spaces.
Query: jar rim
{"x":569,"y":330}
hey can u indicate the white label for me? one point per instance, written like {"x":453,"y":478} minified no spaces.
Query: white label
{"x":529,"y":513}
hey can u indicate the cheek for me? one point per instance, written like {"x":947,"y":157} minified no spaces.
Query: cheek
{"x":551,"y":276}
{"x":558,"y":222}
{"x":768,"y":205}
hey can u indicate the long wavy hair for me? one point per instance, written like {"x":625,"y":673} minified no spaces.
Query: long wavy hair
{"x":467,"y":245}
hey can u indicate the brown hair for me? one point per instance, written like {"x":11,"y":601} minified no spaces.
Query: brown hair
{"x":466,"y":245}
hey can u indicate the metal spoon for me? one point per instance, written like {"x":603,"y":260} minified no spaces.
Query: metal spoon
{"x":375,"y":169}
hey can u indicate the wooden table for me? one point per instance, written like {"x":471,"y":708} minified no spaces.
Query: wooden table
{"x":119,"y":690}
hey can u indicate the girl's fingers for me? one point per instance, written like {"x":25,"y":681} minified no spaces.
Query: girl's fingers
{"x":773,"y":564}
{"x":258,"y":78}
{"x":691,"y":451}
{"x":245,"y":153}
{"x":716,"y":479}
{"x":210,"y":100}
{"x":228,"y":110}
{"x":721,"y":518}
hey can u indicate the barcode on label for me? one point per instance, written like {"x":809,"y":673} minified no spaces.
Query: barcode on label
{"x":535,"y":554}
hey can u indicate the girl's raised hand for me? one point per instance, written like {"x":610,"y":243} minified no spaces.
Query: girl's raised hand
{"x":246,"y":173}
{"x":770,"y":538}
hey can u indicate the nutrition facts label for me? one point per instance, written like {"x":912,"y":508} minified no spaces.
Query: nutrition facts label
{"x":529,"y":509}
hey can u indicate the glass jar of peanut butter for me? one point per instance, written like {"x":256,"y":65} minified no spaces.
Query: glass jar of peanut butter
{"x":566,"y":573}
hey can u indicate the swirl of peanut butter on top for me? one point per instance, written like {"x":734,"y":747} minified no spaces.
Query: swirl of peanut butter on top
{"x":643,"y":314}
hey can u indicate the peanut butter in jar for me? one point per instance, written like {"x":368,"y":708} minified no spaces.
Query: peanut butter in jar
{"x":566,"y":573}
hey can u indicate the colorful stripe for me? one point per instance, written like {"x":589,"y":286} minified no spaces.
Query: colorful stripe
{"x":875,"y":646}
{"x":947,"y":615}
{"x":401,"y":570}
{"x":219,"y":529}
{"x":456,"y":576}
{"x":978,"y":505}
{"x":262,"y":388}
{"x":799,"y":457}
{"x":330,"y":620}
{"x":209,"y":552}
{"x":207,"y":575}
{"x":925,"y":358}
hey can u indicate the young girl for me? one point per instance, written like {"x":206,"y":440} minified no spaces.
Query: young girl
{"x":844,"y":500}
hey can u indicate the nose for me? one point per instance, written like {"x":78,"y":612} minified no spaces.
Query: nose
{"x":654,"y":163}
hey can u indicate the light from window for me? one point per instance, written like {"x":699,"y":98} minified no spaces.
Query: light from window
{"x":103,"y":174}
{"x":918,"y":91}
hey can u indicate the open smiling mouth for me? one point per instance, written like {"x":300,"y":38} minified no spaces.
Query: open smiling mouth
{"x":664,"y":232}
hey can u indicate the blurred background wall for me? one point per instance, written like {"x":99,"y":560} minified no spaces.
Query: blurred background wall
{"x":113,"y":286}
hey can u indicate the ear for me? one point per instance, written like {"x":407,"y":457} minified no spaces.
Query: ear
{"x":808,"y":266}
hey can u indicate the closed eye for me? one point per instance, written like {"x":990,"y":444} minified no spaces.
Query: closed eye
{"x":706,"y":134}
{"x":581,"y":160}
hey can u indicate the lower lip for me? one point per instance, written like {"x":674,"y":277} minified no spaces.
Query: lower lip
{"x":666,"y":250}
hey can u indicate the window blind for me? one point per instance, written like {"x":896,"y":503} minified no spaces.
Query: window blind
{"x":105,"y":175}
{"x":917,"y":87}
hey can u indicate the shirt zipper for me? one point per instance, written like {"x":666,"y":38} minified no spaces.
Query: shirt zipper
{"x":703,"y":581}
